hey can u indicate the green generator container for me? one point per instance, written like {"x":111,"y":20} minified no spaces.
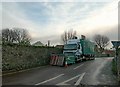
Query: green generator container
{"x":87,"y":47}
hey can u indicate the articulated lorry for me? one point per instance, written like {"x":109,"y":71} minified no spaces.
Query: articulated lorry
{"x":75,"y":50}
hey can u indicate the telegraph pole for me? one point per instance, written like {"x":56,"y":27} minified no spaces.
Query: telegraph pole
{"x":48,"y":43}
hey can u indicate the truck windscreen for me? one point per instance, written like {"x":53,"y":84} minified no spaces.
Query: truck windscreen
{"x":70,"y":46}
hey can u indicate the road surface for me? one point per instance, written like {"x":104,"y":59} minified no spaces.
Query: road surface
{"x":94,"y":72}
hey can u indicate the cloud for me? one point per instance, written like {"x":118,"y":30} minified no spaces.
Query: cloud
{"x":99,"y":21}
{"x":55,"y":17}
{"x":13,"y":17}
{"x":0,"y":15}
{"x":56,"y":0}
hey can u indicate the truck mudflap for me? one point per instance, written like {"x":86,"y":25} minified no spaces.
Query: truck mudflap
{"x":57,"y":59}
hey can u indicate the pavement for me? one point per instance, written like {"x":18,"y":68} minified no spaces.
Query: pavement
{"x":92,"y":72}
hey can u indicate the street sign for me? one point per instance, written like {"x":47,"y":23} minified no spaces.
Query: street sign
{"x":116,"y":43}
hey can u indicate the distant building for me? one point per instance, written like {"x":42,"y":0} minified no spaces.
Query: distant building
{"x":59,"y":46}
{"x":109,"y":52}
{"x":38,"y":43}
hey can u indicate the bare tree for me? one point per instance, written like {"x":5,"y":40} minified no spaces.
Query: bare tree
{"x":22,"y":36}
{"x":101,"y":41}
{"x":68,"y":35}
{"x":7,"y":36}
{"x":64,"y":37}
{"x":16,"y":35}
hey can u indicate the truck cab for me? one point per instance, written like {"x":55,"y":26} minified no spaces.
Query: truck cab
{"x":72,"y":50}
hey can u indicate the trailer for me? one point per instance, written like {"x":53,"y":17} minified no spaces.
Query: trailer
{"x":88,"y":51}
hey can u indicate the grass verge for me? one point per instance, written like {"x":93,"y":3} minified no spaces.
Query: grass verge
{"x":114,"y":67}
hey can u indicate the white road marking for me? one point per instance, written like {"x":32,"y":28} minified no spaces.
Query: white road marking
{"x":49,"y":79}
{"x":64,"y":82}
{"x":80,"y":78}
{"x":78,"y":66}
{"x":19,"y":71}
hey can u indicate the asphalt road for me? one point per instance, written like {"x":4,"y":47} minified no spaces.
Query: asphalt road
{"x":94,"y":72}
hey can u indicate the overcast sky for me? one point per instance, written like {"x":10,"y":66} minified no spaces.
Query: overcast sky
{"x":48,"y":20}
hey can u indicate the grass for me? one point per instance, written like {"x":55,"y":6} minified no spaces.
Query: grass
{"x":114,"y":67}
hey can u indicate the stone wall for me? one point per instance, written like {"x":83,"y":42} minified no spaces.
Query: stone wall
{"x":16,"y":57}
